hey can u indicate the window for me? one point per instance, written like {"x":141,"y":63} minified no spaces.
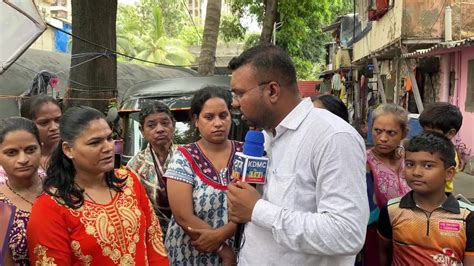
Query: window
{"x":469,"y":105}
{"x":378,"y":8}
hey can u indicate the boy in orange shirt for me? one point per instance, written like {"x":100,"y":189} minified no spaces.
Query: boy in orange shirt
{"x":427,"y":226}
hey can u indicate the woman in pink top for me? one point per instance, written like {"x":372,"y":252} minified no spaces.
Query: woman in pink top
{"x":385,"y":169}
{"x":385,"y":160}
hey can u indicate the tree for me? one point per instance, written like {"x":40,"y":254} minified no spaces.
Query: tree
{"x":141,"y":34}
{"x":300,"y":32}
{"x":174,"y":16}
{"x":230,"y":29}
{"x":207,"y":57}
{"x":269,"y":20}
{"x":95,"y":79}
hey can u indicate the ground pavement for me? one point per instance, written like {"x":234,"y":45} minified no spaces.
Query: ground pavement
{"x":464,"y":184}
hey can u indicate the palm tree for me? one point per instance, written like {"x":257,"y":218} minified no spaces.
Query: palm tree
{"x":207,"y":56}
{"x":147,"y":41}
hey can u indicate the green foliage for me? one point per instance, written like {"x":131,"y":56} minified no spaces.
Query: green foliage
{"x":141,"y":33}
{"x":189,"y":35}
{"x":304,"y":67}
{"x":174,"y":16}
{"x":251,"y":40}
{"x":230,"y":29}
{"x":300,"y":32}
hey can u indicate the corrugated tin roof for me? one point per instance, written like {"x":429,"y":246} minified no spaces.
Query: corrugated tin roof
{"x":440,"y":47}
{"x":308,"y":87}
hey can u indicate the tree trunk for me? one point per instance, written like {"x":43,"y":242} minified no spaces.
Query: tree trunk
{"x":94,"y":82}
{"x":207,"y":58}
{"x":269,"y":21}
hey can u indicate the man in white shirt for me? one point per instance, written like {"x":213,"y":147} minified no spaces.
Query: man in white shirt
{"x":313,"y":210}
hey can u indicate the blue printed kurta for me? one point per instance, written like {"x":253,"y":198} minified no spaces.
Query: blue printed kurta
{"x":189,"y":165}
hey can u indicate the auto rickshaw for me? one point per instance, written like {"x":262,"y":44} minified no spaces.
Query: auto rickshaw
{"x":176,"y":93}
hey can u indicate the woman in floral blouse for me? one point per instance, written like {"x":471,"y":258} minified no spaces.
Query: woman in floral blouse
{"x":197,"y":179}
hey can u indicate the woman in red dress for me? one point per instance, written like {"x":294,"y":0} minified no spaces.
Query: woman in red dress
{"x":90,"y":214}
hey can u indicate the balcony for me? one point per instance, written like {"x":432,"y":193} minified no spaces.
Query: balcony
{"x":414,"y":24}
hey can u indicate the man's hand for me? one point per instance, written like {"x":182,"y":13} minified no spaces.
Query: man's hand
{"x":208,"y":240}
{"x":241,"y":199}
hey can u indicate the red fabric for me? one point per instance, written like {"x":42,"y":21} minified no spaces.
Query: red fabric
{"x":198,"y":171}
{"x":125,"y":231}
{"x":195,"y":156}
{"x":380,"y":10}
{"x":371,"y":246}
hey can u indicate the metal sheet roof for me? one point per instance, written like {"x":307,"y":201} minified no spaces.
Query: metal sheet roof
{"x":440,"y":48}
{"x":177,"y":92}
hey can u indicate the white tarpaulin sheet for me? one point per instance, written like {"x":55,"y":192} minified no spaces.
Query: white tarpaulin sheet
{"x":20,"y":25}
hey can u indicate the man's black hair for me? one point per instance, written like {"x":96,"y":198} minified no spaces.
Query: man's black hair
{"x":270,"y":62}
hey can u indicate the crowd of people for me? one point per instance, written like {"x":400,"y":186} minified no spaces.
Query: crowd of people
{"x":328,"y":199}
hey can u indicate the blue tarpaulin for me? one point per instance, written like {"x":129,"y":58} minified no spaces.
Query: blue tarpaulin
{"x":61,"y":39}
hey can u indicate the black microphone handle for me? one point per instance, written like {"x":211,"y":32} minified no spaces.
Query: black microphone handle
{"x":239,"y":233}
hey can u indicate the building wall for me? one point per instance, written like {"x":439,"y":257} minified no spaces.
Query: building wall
{"x":52,"y":40}
{"x":466,"y":133}
{"x":414,"y":22}
{"x":45,"y":41}
{"x":385,"y":31}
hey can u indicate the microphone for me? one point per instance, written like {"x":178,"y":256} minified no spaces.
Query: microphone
{"x":249,"y":166}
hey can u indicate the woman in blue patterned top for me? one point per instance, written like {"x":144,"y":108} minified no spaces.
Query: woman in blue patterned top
{"x":197,"y":178}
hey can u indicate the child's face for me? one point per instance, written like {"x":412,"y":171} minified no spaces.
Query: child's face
{"x":425,"y":173}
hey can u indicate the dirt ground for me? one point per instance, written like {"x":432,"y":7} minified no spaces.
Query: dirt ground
{"x":464,"y":184}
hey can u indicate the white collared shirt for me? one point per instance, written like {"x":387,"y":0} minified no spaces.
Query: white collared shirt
{"x":314,"y":207}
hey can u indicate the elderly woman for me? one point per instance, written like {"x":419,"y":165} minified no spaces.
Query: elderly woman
{"x":157,"y":126}
{"x":94,"y":215}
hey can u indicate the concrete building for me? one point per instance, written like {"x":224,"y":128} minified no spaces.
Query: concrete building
{"x":420,"y":51}
{"x":197,"y":9}
{"x":57,"y":13}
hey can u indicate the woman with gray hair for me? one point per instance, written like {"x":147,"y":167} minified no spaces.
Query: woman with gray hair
{"x":385,"y":169}
{"x":157,"y":126}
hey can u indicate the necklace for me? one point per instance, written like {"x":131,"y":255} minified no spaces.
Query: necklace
{"x":85,"y":193}
{"x":18,"y":194}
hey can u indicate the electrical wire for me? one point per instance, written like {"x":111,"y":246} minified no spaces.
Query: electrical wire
{"x":27,"y":68}
{"x":192,"y":20}
{"x":103,"y":88}
{"x":108,"y":50}
{"x":81,"y":63}
{"x":9,"y":97}
{"x":86,"y":54}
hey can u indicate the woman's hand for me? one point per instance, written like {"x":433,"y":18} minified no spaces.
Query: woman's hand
{"x":227,"y":255}
{"x":206,"y":240}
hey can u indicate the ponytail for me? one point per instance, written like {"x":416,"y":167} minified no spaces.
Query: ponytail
{"x":60,"y":175}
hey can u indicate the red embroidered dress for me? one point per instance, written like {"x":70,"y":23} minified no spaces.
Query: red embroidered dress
{"x":123,"y":232}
